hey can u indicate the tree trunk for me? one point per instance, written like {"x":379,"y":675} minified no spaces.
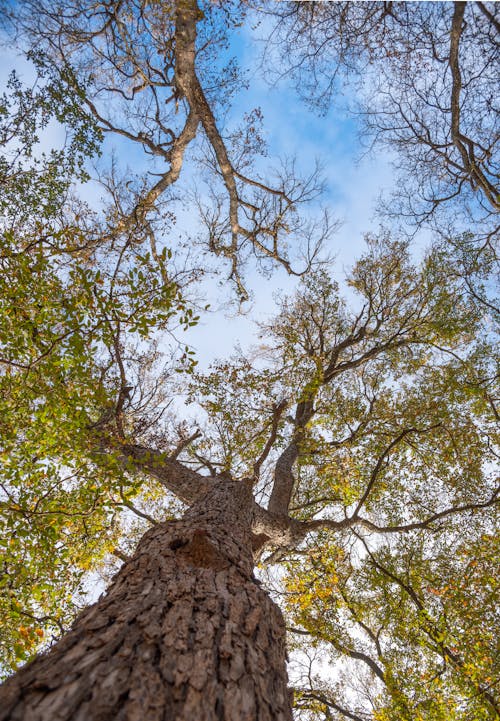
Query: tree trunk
{"x":184,"y":633}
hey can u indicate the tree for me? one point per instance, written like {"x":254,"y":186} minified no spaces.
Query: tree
{"x":390,"y":433}
{"x":352,"y":427}
{"x":426,"y":73}
{"x":386,"y":576}
{"x":82,"y":298}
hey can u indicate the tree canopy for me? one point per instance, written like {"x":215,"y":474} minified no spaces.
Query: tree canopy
{"x":390,"y":438}
{"x":365,"y":419}
{"x":426,"y":74}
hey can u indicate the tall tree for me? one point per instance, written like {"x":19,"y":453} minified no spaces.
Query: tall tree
{"x":84,"y":291}
{"x":351,"y":425}
{"x":369,"y":423}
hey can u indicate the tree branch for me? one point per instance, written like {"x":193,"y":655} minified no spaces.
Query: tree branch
{"x":428,"y":626}
{"x":189,"y":86}
{"x":284,"y":479}
{"x":184,"y":443}
{"x":277,"y":413}
{"x":432,"y":519}
{"x":329,"y":524}
{"x":464,"y":145}
{"x":378,"y":466}
{"x":185,"y":483}
{"x":316,"y":696}
{"x":489,"y":15}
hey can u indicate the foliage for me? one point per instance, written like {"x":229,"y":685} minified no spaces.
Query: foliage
{"x":29,"y":178}
{"x":366,"y":418}
{"x":75,"y":310}
{"x":395,"y":471}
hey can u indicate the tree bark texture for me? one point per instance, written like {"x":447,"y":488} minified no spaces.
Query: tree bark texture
{"x":184,"y":633}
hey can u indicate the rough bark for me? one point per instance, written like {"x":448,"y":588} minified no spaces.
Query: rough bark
{"x":184,"y":632}
{"x":284,"y":479}
{"x":186,"y":484}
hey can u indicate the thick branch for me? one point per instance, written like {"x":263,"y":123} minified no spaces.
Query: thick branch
{"x":189,"y":486}
{"x":283,"y":476}
{"x":189,"y":87}
{"x":279,"y":531}
{"x":464,"y":145}
{"x":284,"y":479}
{"x":328,"y":524}
{"x":185,"y":483}
{"x":432,"y":519}
{"x":176,"y":157}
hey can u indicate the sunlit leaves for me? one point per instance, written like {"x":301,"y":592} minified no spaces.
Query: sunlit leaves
{"x":32,"y":178}
{"x":56,"y":524}
{"x":239,"y":402}
{"x":405,"y":614}
{"x":81,"y":307}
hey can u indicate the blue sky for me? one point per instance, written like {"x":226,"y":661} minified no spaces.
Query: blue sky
{"x":352,"y":185}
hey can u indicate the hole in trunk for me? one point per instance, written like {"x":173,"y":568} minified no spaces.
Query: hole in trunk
{"x":177,"y":543}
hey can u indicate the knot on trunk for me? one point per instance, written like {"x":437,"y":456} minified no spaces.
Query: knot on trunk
{"x":259,"y":540}
{"x":199,"y":551}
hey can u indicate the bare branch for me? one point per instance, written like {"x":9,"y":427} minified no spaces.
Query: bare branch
{"x":464,"y":145}
{"x":184,"y":443}
{"x":352,"y":521}
{"x":119,"y":554}
{"x":378,"y":466}
{"x":317,"y":696}
{"x":432,"y":519}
